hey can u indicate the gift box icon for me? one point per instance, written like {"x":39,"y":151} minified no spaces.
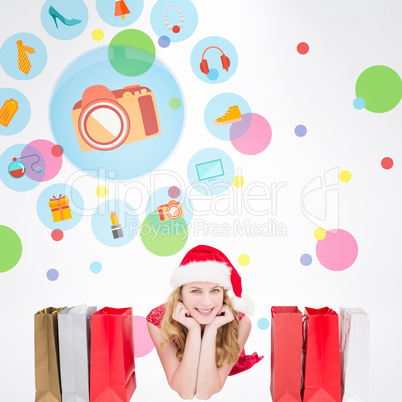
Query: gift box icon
{"x":60,"y":208}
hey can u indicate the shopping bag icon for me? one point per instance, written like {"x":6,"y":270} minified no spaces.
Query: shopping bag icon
{"x":74,"y":346}
{"x":112,"y":355}
{"x":354,"y":329}
{"x":286,"y":351}
{"x":47,"y":364}
{"x":321,"y":360}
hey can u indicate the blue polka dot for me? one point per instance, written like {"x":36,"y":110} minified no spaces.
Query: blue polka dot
{"x":263,"y":323}
{"x":300,"y":130}
{"x":306,"y":259}
{"x":359,"y":103}
{"x":95,"y":267}
{"x":213,"y":74}
{"x":52,"y":274}
{"x":164,"y":41}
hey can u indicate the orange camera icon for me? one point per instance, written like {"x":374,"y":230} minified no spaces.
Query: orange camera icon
{"x":105,"y":120}
{"x":171,"y":210}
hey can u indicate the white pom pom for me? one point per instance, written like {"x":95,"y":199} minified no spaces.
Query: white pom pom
{"x":243,"y":304}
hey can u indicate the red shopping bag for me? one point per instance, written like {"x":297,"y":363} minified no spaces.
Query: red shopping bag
{"x":286,"y":351}
{"x":321,"y":361}
{"x":112,"y":355}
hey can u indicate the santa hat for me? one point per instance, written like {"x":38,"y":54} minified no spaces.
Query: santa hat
{"x":208,"y":264}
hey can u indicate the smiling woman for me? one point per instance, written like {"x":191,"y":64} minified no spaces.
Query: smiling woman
{"x":200,"y":333}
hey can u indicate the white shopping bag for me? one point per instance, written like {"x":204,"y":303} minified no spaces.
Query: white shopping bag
{"x":74,"y":348}
{"x":354,"y":350}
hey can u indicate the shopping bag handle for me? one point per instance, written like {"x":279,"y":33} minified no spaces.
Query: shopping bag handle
{"x":304,"y":337}
{"x":54,"y":312}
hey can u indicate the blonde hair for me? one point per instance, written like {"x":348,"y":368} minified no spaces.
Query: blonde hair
{"x":227,"y":345}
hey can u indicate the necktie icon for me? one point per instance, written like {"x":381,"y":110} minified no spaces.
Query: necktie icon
{"x":23,"y":62}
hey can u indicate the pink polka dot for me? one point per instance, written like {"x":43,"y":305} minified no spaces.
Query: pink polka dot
{"x":173,"y":192}
{"x":338,"y":251}
{"x":142,"y":341}
{"x":303,"y":48}
{"x":43,"y":165}
{"x":57,"y":150}
{"x":387,"y":163}
{"x":57,"y":234}
{"x":255,"y":138}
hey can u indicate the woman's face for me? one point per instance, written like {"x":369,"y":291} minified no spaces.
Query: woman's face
{"x":203,"y":300}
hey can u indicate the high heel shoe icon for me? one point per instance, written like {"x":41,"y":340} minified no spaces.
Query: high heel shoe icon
{"x":55,"y":14}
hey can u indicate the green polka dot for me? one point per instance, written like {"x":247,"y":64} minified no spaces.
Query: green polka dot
{"x":167,"y":227}
{"x":380,"y":87}
{"x":160,"y":240}
{"x":131,"y":52}
{"x":10,"y":248}
{"x":174,"y":103}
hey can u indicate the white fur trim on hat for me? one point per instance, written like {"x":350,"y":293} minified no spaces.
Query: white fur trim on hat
{"x":204,"y":271}
{"x":244,"y":304}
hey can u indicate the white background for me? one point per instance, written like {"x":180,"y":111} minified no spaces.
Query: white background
{"x":288,"y":89}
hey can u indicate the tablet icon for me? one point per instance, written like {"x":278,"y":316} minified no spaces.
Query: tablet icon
{"x":210,"y":170}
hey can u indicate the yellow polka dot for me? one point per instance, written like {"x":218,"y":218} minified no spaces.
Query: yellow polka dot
{"x":101,"y":191}
{"x":345,"y":176}
{"x":238,"y":181}
{"x":244,"y":260}
{"x":97,"y":34}
{"x":320,"y":233}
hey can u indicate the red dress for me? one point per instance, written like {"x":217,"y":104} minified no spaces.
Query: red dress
{"x":244,"y":362}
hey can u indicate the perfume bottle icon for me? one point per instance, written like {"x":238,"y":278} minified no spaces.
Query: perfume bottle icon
{"x":17,"y":168}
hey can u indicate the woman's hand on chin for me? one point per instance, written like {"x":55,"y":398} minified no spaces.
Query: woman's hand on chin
{"x":223,"y":317}
{"x":182,"y":315}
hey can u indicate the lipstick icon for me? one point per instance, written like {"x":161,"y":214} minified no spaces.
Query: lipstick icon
{"x":116,"y":227}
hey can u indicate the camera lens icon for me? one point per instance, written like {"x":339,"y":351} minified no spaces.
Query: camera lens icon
{"x":104,"y":120}
{"x":171,"y":210}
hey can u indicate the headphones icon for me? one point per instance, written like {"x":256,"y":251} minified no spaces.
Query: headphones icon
{"x":204,"y":63}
